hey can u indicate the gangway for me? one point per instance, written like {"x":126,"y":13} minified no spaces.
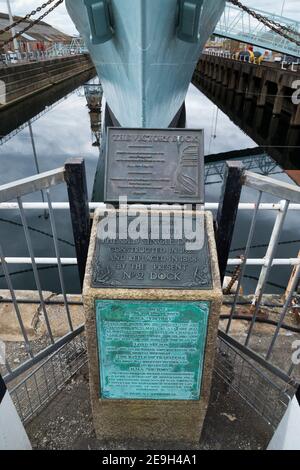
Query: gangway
{"x":76,"y":46}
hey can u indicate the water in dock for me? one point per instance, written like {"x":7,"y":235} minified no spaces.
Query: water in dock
{"x":57,"y":126}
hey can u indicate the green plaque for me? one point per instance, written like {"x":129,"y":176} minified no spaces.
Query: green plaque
{"x":151,"y":350}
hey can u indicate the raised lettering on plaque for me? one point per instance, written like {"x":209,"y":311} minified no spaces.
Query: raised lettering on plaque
{"x":151,"y":350}
{"x":152,"y":263}
{"x":155,"y":165}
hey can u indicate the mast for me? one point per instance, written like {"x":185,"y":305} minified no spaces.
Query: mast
{"x":13,"y":31}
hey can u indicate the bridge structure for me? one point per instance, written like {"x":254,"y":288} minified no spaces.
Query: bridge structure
{"x":76,"y":46}
{"x":261,"y":163}
{"x":239,"y":25}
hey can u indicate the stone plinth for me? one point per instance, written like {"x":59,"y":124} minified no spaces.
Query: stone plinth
{"x":184,"y":320}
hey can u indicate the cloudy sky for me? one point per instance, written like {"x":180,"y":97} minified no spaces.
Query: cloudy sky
{"x":59,"y":18}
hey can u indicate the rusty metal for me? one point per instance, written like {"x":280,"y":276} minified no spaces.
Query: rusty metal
{"x":235,"y":276}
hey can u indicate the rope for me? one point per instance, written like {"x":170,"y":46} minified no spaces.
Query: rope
{"x":33,"y":23}
{"x":271,"y":24}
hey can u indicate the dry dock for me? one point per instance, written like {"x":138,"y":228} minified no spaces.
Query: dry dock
{"x":22,"y":81}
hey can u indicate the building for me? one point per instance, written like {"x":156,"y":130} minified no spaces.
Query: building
{"x":223,"y":44}
{"x":40,"y":37}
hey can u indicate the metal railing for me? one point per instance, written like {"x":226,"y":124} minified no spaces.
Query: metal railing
{"x":241,"y":56}
{"x":263,"y":391}
{"x":73,"y":175}
{"x":41,"y":385}
{"x":239,"y":25}
{"x":55,"y":51}
{"x":236,"y":179}
{"x":247,"y":344}
{"x":245,"y":377}
{"x":209,"y":206}
{"x":61,"y":49}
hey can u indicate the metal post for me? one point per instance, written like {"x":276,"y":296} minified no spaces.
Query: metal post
{"x":13,"y":31}
{"x":35,"y":158}
{"x":75,"y":176}
{"x":227,"y":212}
{"x":265,"y":271}
{"x":15,"y":302}
{"x":59,"y":265}
{"x":284,"y":312}
{"x":244,"y":262}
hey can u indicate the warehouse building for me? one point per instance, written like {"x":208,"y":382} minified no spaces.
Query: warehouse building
{"x":41,"y":36}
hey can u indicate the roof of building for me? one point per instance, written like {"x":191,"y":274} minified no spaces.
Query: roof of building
{"x":41,"y":32}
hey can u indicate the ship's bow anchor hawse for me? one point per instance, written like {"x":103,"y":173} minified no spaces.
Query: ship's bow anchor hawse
{"x":145,"y":52}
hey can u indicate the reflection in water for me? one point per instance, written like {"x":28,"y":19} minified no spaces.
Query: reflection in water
{"x":16,"y":117}
{"x":273,"y":133}
{"x":62,"y":130}
{"x":93,"y":94}
{"x":258,"y":162}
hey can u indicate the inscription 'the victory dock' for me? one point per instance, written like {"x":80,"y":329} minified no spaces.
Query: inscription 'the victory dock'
{"x":164,"y":166}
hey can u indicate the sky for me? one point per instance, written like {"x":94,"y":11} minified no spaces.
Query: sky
{"x":60,"y":19}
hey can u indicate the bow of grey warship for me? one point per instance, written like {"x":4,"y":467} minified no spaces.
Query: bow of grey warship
{"x":145,"y":53}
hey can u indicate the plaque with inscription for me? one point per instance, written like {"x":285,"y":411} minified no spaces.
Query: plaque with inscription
{"x":155,"y":165}
{"x":151,"y":262}
{"x":151,"y":350}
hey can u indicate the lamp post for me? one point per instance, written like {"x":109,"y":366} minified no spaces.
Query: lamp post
{"x":13,"y":31}
{"x":283,"y":5}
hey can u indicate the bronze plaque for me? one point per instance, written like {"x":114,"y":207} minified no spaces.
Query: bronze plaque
{"x":155,"y":165}
{"x":151,"y":263}
{"x":151,"y":350}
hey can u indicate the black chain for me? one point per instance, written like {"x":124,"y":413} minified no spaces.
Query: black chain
{"x":26,"y":17}
{"x":33,"y":23}
{"x":271,"y":24}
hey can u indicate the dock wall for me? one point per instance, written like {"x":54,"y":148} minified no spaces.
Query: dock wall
{"x":22,"y":81}
{"x":266,"y":84}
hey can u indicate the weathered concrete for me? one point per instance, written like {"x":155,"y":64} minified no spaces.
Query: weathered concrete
{"x":21,"y":112}
{"x":33,"y":319}
{"x":25,"y":80}
{"x":275,"y":133}
{"x":66,"y":422}
{"x":261,"y":82}
{"x":151,"y":420}
{"x":34,"y":324}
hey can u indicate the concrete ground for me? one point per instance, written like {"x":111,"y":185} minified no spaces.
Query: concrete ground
{"x":66,"y":423}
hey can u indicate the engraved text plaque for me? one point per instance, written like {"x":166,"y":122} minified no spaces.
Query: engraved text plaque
{"x":155,"y":165}
{"x":151,"y":350}
{"x":151,"y":263}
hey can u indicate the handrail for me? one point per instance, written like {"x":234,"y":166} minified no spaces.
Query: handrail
{"x":211,"y":206}
{"x":231,"y":261}
{"x":32,"y":184}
